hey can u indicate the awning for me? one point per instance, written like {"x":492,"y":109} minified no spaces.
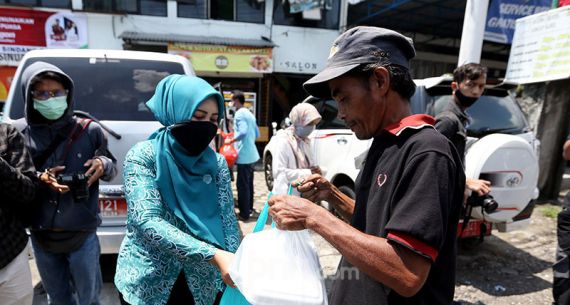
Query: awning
{"x":177,"y":38}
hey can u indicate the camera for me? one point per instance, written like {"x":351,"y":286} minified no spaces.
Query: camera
{"x":77,"y":183}
{"x":487,"y":202}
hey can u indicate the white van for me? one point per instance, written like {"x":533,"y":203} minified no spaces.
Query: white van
{"x":111,"y":86}
{"x":500,"y":148}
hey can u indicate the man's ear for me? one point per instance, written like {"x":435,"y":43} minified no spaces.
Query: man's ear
{"x":454,"y":86}
{"x":381,"y":80}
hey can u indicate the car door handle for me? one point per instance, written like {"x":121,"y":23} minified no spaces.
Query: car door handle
{"x":341,"y":141}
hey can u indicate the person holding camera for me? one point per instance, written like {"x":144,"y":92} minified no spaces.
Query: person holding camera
{"x":17,"y":189}
{"x":71,"y":155}
{"x":293,"y":158}
{"x":468,"y":86}
{"x":181,"y":227}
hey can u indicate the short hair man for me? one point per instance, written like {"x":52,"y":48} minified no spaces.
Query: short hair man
{"x":245,"y":133}
{"x":17,"y":190}
{"x":468,"y":85}
{"x":73,"y":155}
{"x":401,"y":238}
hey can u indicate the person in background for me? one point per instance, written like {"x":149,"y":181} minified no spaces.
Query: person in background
{"x":73,"y":155}
{"x":181,"y":226}
{"x":245,"y":133}
{"x":293,"y":158}
{"x":17,"y":190}
{"x":400,"y":245}
{"x":468,"y":85}
{"x":561,"y":268}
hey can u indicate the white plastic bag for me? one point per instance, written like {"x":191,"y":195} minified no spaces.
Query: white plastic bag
{"x":276,"y":267}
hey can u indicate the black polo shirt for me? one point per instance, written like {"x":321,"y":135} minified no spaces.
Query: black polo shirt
{"x":407,"y":192}
{"x":452,"y":124}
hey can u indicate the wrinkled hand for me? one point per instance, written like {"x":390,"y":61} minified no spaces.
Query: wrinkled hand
{"x":314,"y":187}
{"x":292,"y":213}
{"x":95,"y":171}
{"x":222,"y":260}
{"x":481,"y":187}
{"x":49,"y":178}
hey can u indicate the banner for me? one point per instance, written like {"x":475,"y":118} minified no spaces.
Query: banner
{"x":218,"y":58}
{"x":24,"y":30}
{"x":6,"y":77}
{"x":502,"y":16}
{"x":541,"y":48}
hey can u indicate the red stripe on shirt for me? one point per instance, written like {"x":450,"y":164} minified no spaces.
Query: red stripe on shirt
{"x":414,"y":244}
{"x":412,"y":121}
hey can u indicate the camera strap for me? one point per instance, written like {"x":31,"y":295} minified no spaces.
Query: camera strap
{"x":78,"y":130}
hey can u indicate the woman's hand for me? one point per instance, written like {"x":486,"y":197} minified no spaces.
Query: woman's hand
{"x":222,"y":260}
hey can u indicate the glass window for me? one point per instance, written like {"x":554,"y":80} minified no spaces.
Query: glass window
{"x":153,"y":7}
{"x":128,"y":6}
{"x":23,"y":2}
{"x":222,"y":9}
{"x":192,"y":9}
{"x":128,"y":84}
{"x":98,"y":5}
{"x":327,"y":17}
{"x":250,"y":11}
{"x":56,"y":3}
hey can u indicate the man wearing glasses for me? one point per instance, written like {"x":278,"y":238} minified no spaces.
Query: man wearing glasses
{"x":71,"y":156}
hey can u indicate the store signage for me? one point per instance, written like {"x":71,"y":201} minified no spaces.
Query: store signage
{"x":23,"y":30}
{"x":541,"y":48}
{"x":299,"y":66}
{"x":502,"y":16}
{"x":218,"y":58}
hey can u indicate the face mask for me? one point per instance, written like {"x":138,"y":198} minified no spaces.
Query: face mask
{"x":304,"y":131}
{"x":52,"y":108}
{"x":465,"y":101}
{"x":194,"y":136}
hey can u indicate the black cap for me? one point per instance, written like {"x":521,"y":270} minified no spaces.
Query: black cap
{"x":361,"y":45}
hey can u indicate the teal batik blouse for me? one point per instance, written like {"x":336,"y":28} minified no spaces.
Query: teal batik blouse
{"x":158,"y":245}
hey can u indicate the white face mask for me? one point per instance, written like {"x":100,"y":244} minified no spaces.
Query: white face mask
{"x":304,"y":131}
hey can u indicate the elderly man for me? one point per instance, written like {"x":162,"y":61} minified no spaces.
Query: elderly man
{"x":400,"y":246}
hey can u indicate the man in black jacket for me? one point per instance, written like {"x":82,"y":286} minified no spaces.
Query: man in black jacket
{"x":17,"y":190}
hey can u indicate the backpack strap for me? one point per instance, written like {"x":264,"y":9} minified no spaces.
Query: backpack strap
{"x":78,"y":130}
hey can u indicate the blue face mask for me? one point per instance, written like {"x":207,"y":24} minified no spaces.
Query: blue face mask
{"x":52,"y":108}
{"x":304,"y":131}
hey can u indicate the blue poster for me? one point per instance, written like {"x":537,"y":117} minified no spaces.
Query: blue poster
{"x":502,"y":16}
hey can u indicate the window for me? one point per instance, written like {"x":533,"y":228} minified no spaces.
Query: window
{"x":325,"y":15}
{"x":232,"y":10}
{"x":42,"y":3}
{"x":139,"y":7}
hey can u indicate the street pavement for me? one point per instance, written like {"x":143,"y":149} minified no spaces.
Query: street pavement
{"x":328,"y":256}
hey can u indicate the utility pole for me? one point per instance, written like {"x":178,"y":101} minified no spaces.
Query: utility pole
{"x":473,"y":31}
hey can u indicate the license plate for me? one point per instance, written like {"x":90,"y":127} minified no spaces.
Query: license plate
{"x":473,"y":229}
{"x":113,"y":207}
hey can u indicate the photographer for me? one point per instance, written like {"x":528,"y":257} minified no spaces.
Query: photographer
{"x":71,"y":156}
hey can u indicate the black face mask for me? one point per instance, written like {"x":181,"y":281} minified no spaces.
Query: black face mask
{"x":465,"y":101}
{"x":194,"y":136}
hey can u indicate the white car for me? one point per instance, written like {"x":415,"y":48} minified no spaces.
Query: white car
{"x":112,"y":87}
{"x":501,"y":148}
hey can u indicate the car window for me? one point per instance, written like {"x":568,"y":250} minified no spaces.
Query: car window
{"x":108,"y":89}
{"x":488,"y":115}
{"x":329,"y":110}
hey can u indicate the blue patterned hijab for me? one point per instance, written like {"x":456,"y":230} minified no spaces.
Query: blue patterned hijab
{"x":186,"y":183}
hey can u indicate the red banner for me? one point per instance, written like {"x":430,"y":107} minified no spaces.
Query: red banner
{"x":23,"y":27}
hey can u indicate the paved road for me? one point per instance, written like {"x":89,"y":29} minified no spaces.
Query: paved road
{"x":328,"y":256}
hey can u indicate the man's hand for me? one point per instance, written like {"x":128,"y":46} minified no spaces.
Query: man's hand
{"x":481,"y":187}
{"x":314,"y":187}
{"x":95,"y":171}
{"x":316,"y":170}
{"x":222,"y":260}
{"x":293,"y":213}
{"x":49,"y":177}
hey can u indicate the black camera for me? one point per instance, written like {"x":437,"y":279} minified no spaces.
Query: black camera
{"x":487,"y":202}
{"x":77,"y":183}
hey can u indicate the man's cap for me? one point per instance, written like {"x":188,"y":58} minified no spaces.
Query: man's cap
{"x":357,"y":46}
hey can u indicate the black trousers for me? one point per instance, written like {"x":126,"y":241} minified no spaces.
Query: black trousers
{"x":244,"y":186}
{"x":561,"y":269}
{"x":180,"y":294}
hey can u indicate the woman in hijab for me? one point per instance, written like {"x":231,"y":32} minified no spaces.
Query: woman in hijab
{"x":292,"y":156}
{"x":181,"y":226}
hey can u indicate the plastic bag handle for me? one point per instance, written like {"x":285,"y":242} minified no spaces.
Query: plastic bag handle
{"x":264,"y":214}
